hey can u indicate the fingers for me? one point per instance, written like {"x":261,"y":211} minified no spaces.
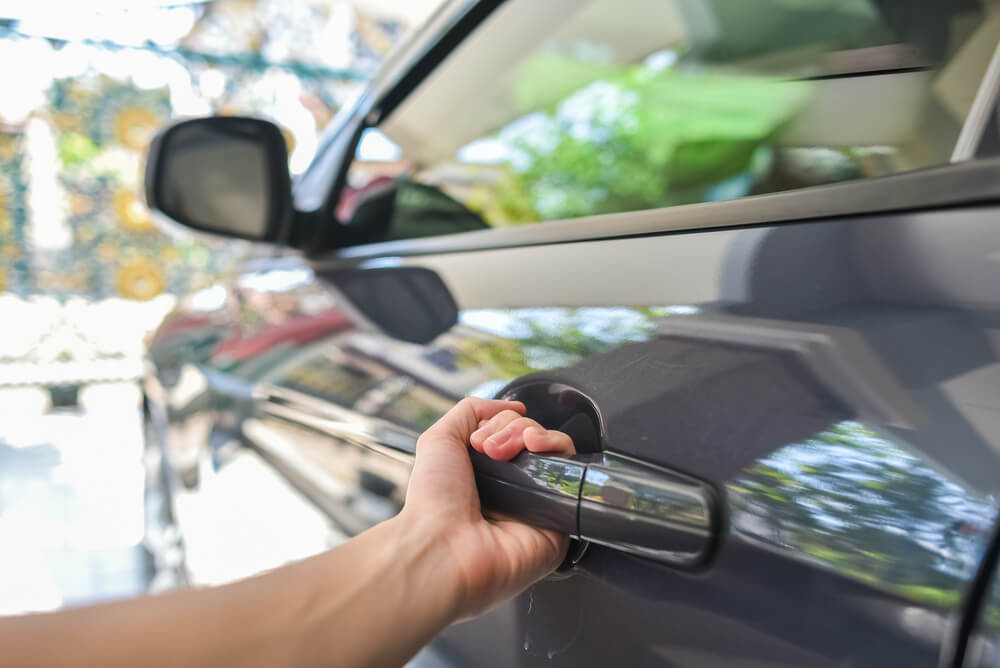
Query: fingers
{"x":493,"y":427}
{"x":466,"y":416}
{"x":498,"y":429}
{"x":537,"y":439}
{"x":507,"y":434}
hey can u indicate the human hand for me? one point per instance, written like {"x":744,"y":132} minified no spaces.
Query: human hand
{"x":493,"y":558}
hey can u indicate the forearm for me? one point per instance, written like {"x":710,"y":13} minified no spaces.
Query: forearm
{"x":390,"y":593}
{"x":373,"y":601}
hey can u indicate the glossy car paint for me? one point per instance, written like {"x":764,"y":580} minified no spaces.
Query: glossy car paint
{"x":835,"y":383}
{"x":982,"y":644}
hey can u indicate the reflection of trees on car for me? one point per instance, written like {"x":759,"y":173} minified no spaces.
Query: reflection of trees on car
{"x":834,"y":496}
{"x":556,"y":337}
{"x":641,"y":138}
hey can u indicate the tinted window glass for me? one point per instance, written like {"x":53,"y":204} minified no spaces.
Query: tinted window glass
{"x":565,"y":109}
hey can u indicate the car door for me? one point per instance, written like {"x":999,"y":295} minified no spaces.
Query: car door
{"x":764,"y":265}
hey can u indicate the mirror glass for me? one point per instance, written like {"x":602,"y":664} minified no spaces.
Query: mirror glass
{"x":215,"y":175}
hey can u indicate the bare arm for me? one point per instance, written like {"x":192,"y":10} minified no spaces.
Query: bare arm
{"x":373,"y":601}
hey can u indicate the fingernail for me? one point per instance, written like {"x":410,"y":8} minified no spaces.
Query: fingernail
{"x":478,"y":432}
{"x":537,"y":431}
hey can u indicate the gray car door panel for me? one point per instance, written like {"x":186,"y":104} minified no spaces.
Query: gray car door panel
{"x":834,"y":382}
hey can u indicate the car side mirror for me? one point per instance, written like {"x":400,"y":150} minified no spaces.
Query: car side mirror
{"x":408,"y":303}
{"x":224,"y":175}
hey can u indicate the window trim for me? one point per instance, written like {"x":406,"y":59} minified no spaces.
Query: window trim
{"x":983,"y":106}
{"x":944,"y":185}
{"x":962,"y":181}
{"x":317,"y":189}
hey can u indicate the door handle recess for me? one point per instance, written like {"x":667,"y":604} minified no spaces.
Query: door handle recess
{"x":607,"y":499}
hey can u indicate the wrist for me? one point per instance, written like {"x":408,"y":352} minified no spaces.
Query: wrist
{"x":423,"y":550}
{"x":393,"y":577}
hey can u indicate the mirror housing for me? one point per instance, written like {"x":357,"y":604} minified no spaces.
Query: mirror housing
{"x":225,"y":175}
{"x":411,"y":304}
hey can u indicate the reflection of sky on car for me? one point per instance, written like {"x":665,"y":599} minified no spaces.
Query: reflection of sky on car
{"x":276,"y":281}
{"x":211,"y":298}
{"x":376,"y":147}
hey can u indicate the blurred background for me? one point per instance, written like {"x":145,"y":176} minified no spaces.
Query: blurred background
{"x":85,"y":276}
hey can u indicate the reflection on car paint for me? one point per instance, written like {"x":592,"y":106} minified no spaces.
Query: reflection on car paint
{"x":538,"y":339}
{"x":416,"y":407}
{"x":489,"y":348}
{"x":814,"y":400}
{"x":660,"y":111}
{"x":984,"y":643}
{"x":654,"y":496}
{"x":861,"y":504}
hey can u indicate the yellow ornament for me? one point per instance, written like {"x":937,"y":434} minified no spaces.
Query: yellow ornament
{"x":140,"y":280}
{"x":132,"y":213}
{"x":134,"y":126}
{"x":9,"y":146}
{"x":289,"y":139}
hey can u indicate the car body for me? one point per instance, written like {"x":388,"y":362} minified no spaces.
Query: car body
{"x":815,"y":353}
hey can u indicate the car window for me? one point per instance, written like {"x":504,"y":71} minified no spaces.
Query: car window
{"x":558,"y":110}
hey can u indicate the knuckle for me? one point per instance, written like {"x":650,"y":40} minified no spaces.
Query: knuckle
{"x":506,"y":418}
{"x":525,"y":423}
{"x":500,"y":418}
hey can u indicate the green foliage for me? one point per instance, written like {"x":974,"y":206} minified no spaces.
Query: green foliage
{"x":554,"y":338}
{"x":855,"y":501}
{"x":638,"y":138}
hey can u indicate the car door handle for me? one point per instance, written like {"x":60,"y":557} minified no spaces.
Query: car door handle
{"x":605,"y":498}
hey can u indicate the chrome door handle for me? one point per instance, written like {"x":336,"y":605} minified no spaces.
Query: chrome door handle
{"x":605,"y":498}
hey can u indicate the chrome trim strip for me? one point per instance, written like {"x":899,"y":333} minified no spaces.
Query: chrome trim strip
{"x":375,"y":434}
{"x":646,"y":510}
{"x":946,"y":185}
